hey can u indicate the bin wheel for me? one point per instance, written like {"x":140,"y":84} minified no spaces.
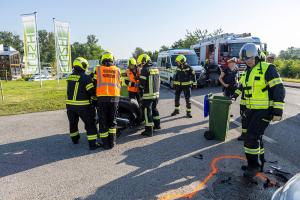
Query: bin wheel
{"x":209,"y":135}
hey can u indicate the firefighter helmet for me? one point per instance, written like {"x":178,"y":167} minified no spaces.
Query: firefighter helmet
{"x":81,"y":62}
{"x":180,"y":59}
{"x":131,"y":61}
{"x":249,"y":50}
{"x":107,"y":57}
{"x":143,"y":59}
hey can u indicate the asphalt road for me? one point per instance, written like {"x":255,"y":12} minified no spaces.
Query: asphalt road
{"x":38,"y":160}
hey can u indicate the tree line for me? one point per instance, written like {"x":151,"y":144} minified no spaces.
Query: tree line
{"x":287,"y":62}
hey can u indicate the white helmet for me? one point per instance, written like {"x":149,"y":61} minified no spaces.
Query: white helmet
{"x":249,"y":50}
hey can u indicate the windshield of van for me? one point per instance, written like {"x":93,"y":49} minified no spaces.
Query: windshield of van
{"x":191,"y":59}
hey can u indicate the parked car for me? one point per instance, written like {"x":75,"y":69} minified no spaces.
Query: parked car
{"x":38,"y":77}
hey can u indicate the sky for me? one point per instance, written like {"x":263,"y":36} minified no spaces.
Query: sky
{"x":123,"y":25}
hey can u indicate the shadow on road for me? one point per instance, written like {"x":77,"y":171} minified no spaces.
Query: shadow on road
{"x":25,"y":155}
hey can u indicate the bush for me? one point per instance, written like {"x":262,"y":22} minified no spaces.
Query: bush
{"x":288,"y":68}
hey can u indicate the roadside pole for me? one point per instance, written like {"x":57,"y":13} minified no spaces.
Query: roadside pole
{"x":38,"y":51}
{"x":1,"y":88}
{"x":6,"y":75}
{"x":56,"y":57}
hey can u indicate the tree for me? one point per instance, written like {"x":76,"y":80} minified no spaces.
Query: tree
{"x":89,"y":50}
{"x":47,"y":46}
{"x":163,"y":48}
{"x":290,"y":53}
{"x":192,"y":37}
{"x":138,"y":51}
{"x":10,"y":39}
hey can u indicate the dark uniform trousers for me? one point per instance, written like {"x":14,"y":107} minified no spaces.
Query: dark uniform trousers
{"x":256,"y":123}
{"x":151,"y":113}
{"x":134,"y":95}
{"x":87,"y":115}
{"x":107,"y":113}
{"x":187,"y":94}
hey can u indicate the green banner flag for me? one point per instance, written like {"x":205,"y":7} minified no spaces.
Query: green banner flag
{"x":62,"y":47}
{"x":30,"y":44}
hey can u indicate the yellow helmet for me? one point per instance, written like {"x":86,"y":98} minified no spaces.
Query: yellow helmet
{"x":143,"y":59}
{"x":180,"y":59}
{"x":131,"y":61}
{"x":81,"y":62}
{"x":107,"y":57}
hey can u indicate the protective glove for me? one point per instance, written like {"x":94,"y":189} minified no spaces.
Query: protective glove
{"x":194,"y":86}
{"x":276,"y":118}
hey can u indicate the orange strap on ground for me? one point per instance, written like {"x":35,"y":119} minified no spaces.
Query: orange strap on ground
{"x":201,"y":185}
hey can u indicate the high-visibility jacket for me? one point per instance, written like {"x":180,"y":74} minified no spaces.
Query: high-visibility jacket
{"x":133,"y":80}
{"x":242,"y":79}
{"x":149,"y":82}
{"x":108,"y":81}
{"x":262,"y":88}
{"x":184,"y":76}
{"x":80,"y":89}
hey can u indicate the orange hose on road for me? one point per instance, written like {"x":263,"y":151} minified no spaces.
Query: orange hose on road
{"x":213,"y":172}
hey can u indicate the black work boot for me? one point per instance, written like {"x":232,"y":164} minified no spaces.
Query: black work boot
{"x":75,"y":139}
{"x":93,"y":145}
{"x":105,"y":143}
{"x":175,"y":112}
{"x":148,"y":131}
{"x":112,"y":138}
{"x":242,"y":137}
{"x":189,"y":115}
{"x":156,"y":125}
{"x":250,"y":172}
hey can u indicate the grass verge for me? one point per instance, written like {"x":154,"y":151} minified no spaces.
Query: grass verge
{"x":26,"y":97}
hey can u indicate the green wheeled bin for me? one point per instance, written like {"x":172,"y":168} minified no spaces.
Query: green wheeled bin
{"x":219,"y":107}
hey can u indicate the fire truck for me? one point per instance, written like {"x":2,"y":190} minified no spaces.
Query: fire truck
{"x":218,"y":49}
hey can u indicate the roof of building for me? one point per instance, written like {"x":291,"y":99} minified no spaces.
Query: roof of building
{"x":7,"y":50}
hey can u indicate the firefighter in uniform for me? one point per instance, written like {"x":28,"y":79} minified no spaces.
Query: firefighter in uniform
{"x":132,"y":80}
{"x":108,"y":94}
{"x":184,"y":79}
{"x":149,"y":86}
{"x":80,"y":89}
{"x":264,"y":96}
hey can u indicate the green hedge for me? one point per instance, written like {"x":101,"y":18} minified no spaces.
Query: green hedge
{"x":288,"y":68}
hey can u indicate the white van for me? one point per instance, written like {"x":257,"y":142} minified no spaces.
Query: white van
{"x":167,"y":66}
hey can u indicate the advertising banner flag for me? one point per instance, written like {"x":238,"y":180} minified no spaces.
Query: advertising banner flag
{"x":62,"y":46}
{"x":31,"y":55}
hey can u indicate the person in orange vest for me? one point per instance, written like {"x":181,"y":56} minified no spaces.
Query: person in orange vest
{"x":108,"y":94}
{"x":132,"y":81}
